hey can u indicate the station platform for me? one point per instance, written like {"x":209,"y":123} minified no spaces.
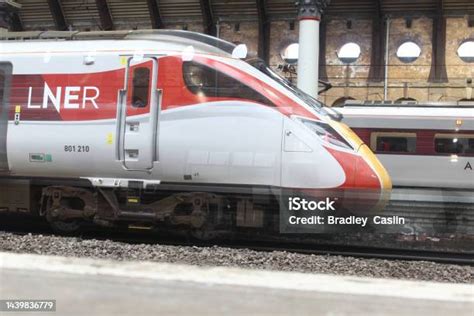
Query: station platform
{"x":83,"y":286}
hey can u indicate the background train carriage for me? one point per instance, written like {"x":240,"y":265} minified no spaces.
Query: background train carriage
{"x":428,"y":150}
{"x":421,"y":145}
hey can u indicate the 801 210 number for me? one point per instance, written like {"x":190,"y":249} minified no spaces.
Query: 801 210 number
{"x":76,"y":148}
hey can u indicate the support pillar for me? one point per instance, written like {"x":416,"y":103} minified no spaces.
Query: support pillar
{"x":309,"y":17}
{"x":438,"y":72}
{"x":323,"y":75}
{"x":377,"y":58}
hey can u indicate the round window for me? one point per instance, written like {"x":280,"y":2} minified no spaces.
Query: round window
{"x":349,"y":53}
{"x":290,"y":53}
{"x":466,"y":51}
{"x":408,"y":52}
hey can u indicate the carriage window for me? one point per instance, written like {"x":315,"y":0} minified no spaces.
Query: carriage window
{"x":454,"y":144}
{"x":141,"y":87}
{"x":206,"y":81}
{"x":393,"y":142}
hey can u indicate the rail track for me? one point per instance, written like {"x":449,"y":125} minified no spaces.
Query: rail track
{"x":317,"y":247}
{"x":379,"y":253}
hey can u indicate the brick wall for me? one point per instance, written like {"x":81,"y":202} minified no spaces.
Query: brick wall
{"x":405,"y":80}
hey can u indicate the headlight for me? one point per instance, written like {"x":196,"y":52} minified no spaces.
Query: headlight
{"x":325,"y":132}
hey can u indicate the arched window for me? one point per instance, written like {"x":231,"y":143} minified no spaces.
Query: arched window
{"x":466,"y":51}
{"x":408,"y":52}
{"x":290,"y":53}
{"x":405,"y":100}
{"x":349,"y":53}
{"x":341,"y":101}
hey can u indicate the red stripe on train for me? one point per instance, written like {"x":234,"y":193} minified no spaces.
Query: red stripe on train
{"x":93,"y":96}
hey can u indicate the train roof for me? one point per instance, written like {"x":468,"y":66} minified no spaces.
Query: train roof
{"x":200,"y":42}
{"x":429,"y":115}
{"x":408,"y":104}
{"x":392,"y":109}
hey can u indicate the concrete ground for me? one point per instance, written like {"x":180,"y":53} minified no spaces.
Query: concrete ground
{"x":100,"y":287}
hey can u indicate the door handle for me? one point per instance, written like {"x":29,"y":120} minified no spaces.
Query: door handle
{"x":133,"y":126}
{"x":132,"y":153}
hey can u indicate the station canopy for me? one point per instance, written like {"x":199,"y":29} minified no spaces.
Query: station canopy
{"x":120,"y":14}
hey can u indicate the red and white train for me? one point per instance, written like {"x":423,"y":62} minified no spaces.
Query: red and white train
{"x":162,"y":109}
{"x":427,"y":148}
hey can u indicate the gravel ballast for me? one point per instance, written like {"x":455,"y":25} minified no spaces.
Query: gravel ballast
{"x":244,"y":258}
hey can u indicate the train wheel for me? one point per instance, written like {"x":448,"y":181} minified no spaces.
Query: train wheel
{"x":65,"y":227}
{"x":203,"y":235}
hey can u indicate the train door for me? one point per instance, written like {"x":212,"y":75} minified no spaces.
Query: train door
{"x":138,"y":115}
{"x":5,"y":84}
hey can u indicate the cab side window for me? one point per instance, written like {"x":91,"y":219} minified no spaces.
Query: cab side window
{"x":209,"y":82}
{"x":141,"y":87}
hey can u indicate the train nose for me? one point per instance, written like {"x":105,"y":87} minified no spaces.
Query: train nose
{"x":370,"y":173}
{"x":372,"y":184}
{"x":369,"y":185}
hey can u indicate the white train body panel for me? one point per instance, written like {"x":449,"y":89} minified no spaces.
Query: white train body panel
{"x":247,"y":150}
{"x":441,"y":172}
